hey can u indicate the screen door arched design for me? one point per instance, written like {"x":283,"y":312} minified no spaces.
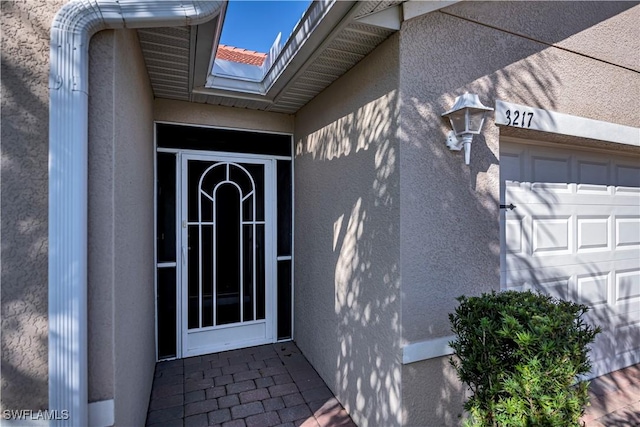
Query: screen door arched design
{"x":227,"y":253}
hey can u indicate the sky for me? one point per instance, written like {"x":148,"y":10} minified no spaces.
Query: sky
{"x":254,"y":25}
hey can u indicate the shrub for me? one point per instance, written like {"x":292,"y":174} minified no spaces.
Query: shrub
{"x":521,"y":353}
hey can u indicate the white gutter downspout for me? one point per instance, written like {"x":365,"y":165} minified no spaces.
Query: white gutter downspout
{"x":71,"y":30}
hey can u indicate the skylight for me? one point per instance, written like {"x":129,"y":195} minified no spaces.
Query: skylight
{"x":252,"y":38}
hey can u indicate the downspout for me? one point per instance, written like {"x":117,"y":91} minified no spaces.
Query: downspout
{"x":72,"y":28}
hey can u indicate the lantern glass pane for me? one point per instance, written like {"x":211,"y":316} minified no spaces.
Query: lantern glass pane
{"x":475,"y":121}
{"x":458,"y":122}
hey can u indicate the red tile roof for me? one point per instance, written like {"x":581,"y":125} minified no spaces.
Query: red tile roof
{"x":243,"y":56}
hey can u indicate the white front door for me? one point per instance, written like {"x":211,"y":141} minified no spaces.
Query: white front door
{"x":228,"y":255}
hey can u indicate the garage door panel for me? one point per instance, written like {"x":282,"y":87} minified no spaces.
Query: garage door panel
{"x":593,"y":289}
{"x":594,"y":233}
{"x":519,"y":196}
{"x":627,"y":192}
{"x":627,"y":232}
{"x":593,"y":175}
{"x":515,"y":235}
{"x":575,"y":234}
{"x":612,"y":301}
{"x":602,"y":351}
{"x":628,"y":177}
{"x":567,"y":234}
{"x":548,"y":188}
{"x":551,"y":172}
{"x":551,"y":235}
{"x":536,"y":278}
{"x":627,"y":291}
{"x":511,"y":170}
{"x":587,"y":249}
{"x":593,"y":190}
{"x":520,"y":193}
{"x":557,"y":287}
{"x":615,"y":349}
{"x":626,"y":338}
{"x":573,"y":279}
{"x":512,"y":166}
{"x":515,"y":263}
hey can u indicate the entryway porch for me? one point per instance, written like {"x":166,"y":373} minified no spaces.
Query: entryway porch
{"x":269,"y":385}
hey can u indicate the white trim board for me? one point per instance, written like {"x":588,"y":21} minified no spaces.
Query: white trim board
{"x":223,"y":153}
{"x":241,"y":129}
{"x":390,"y":18}
{"x":102,"y":413}
{"x":427,"y":349}
{"x":564,"y":124}
{"x":414,"y":8}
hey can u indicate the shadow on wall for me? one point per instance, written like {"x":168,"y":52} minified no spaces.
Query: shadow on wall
{"x":349,"y":165}
{"x":601,"y":279}
{"x":442,"y":398}
{"x":462,"y":212}
{"x":25,"y":113}
{"x":497,"y":65}
{"x":620,"y":328}
{"x":450,"y":212}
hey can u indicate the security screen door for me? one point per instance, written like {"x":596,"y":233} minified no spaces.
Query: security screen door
{"x":227,"y":252}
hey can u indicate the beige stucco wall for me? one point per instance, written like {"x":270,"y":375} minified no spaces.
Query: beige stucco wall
{"x":432,"y":394}
{"x":548,"y":55}
{"x":101,"y":267}
{"x":24,"y":252}
{"x":215,"y":115}
{"x":121,"y":270}
{"x":347,"y":278}
{"x":121,"y":199}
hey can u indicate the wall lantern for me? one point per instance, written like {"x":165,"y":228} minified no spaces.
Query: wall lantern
{"x":466,"y":117}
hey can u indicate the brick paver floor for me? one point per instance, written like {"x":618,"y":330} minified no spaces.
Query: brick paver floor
{"x":265,"y":386}
{"x":615,"y":399}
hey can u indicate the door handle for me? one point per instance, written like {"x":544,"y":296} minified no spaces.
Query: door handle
{"x":184,"y":255}
{"x":509,"y":206}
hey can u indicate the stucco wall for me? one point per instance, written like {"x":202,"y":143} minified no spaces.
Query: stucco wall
{"x":101,"y":268}
{"x":134,"y":295}
{"x":121,"y":270}
{"x":216,"y":115}
{"x":432,"y":394}
{"x":547,"y":55}
{"x":24,"y":177}
{"x":347,"y":279}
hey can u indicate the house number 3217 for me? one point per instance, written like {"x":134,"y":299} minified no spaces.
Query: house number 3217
{"x":519,"y":118}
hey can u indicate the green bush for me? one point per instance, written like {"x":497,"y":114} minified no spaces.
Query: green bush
{"x":520,"y":354}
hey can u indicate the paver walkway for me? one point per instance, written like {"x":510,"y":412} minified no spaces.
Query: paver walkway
{"x":274,"y":385}
{"x":615,"y":399}
{"x":270,"y":385}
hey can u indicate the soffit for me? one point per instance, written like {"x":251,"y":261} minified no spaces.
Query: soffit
{"x":370,"y":7}
{"x":349,"y":47}
{"x":166,"y":53}
{"x":172,"y":62}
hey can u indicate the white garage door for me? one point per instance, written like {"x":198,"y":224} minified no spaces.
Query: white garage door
{"x":575,"y":234}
